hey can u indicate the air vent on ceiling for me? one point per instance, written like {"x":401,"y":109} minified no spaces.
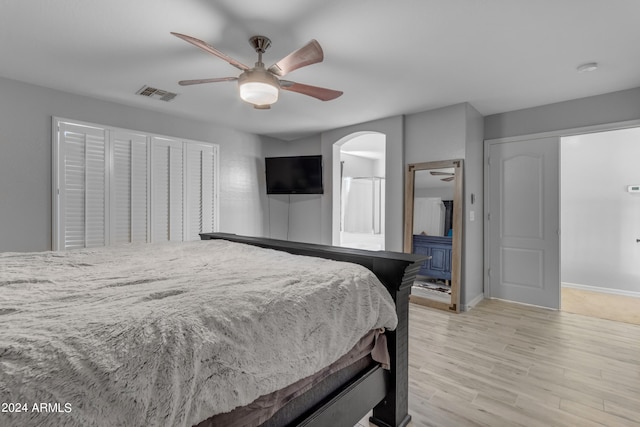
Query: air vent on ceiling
{"x":160,"y":94}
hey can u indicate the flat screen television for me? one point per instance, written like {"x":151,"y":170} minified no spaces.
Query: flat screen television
{"x":294,"y":175}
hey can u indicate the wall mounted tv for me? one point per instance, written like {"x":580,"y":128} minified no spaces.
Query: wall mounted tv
{"x":294,"y":175}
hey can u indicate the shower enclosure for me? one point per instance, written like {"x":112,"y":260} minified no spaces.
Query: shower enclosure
{"x":362,"y":212}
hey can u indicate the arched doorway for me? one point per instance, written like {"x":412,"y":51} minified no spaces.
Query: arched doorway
{"x":359,"y":194}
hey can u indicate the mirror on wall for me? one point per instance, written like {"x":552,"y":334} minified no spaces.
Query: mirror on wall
{"x":433,"y":227}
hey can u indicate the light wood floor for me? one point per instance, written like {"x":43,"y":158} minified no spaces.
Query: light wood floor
{"x":605,"y":306}
{"x":505,"y":364}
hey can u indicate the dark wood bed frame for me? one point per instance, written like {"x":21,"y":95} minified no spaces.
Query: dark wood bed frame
{"x":384,"y":391}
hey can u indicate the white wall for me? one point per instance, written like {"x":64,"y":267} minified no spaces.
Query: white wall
{"x":25,"y":159}
{"x":600,"y":220}
{"x":444,"y":193}
{"x":356,"y":166}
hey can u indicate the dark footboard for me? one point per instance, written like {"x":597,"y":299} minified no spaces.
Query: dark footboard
{"x":386,"y":392}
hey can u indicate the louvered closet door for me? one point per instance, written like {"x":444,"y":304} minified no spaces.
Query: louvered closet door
{"x":130,"y":188}
{"x":201,"y":191}
{"x":83,"y":187}
{"x":167,"y":186}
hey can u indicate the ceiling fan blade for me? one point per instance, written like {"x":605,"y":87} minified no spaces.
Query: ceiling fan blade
{"x":440,"y":173}
{"x":199,"y":81}
{"x":310,"y":53}
{"x":320,"y":93}
{"x":212,"y":50}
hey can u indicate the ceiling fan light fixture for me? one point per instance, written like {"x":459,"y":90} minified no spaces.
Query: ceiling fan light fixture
{"x":258,"y":93}
{"x":258,"y":87}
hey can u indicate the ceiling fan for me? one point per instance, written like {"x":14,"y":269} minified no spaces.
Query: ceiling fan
{"x":259,"y":85}
{"x":449,"y":175}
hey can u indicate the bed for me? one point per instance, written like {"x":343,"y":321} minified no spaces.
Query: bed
{"x":89,"y":359}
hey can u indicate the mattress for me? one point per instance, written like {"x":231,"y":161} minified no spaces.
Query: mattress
{"x":283,"y":406}
{"x":171,"y":334}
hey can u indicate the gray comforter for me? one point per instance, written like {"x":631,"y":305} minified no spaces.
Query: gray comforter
{"x":170,"y":334}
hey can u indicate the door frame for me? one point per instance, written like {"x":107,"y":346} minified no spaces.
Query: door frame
{"x":541,"y":135}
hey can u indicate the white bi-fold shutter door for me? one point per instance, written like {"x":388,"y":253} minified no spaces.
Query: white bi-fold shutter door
{"x":82,"y":187}
{"x":118,"y":186}
{"x":167,"y":190}
{"x":201,"y":170}
{"x":130,"y":187}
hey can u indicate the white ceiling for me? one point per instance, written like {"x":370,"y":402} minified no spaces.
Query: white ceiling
{"x":389,"y":57}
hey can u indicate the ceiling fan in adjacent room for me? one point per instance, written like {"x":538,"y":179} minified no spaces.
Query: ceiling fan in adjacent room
{"x":449,"y":175}
{"x":260,"y":86}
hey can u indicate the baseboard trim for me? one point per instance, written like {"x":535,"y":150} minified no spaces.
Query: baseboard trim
{"x":601,"y":290}
{"x":473,"y":303}
{"x":525,"y":304}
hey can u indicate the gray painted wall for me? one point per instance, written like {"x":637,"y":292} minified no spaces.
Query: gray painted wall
{"x":473,"y":257}
{"x":594,"y":110}
{"x":295,"y":217}
{"x":307,"y":218}
{"x":25,"y":159}
{"x":606,"y":111}
{"x":310,"y":217}
{"x":455,"y":132}
{"x":436,"y":135}
{"x":392,"y":127}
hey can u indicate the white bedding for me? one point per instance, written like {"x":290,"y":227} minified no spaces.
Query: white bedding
{"x":170,"y":334}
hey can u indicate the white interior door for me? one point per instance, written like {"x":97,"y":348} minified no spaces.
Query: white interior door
{"x":523,"y":221}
